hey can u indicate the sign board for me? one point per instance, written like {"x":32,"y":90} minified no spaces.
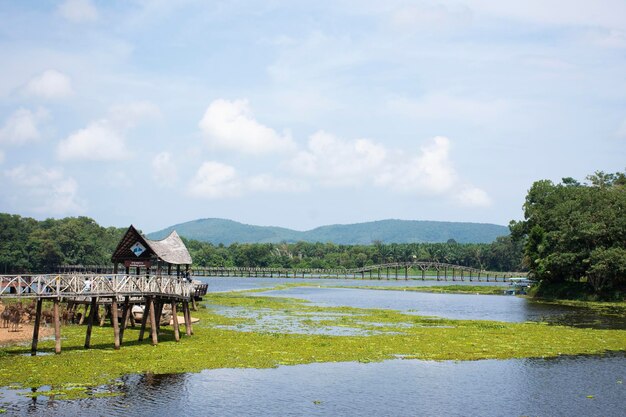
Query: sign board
{"x":138,"y":249}
{"x":140,"y":264}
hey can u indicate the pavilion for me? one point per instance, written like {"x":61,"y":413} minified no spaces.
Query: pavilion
{"x":137,"y":251}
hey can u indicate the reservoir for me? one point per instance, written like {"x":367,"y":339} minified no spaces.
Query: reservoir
{"x":563,"y":386}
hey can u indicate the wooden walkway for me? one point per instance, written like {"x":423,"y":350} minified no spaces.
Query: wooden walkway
{"x":398,"y":270}
{"x":112,"y":291}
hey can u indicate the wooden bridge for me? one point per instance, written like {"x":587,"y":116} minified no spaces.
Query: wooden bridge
{"x":398,"y":270}
{"x":92,"y":290}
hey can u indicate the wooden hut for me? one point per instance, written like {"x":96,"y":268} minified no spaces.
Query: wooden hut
{"x":137,"y":251}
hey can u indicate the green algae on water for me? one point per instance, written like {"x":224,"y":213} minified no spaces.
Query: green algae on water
{"x":220,"y":341}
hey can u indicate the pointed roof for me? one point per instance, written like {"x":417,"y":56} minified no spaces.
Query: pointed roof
{"x":171,"y":249}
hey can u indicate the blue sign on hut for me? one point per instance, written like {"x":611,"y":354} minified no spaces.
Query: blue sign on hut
{"x":137,"y":251}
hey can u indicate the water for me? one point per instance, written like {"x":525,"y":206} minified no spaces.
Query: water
{"x":537,"y":387}
{"x":454,"y":306}
{"x":565,"y":386}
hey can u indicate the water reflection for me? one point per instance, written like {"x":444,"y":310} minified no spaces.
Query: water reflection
{"x":556,"y":387}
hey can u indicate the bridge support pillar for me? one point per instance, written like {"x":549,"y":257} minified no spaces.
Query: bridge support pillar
{"x":57,"y":327}
{"x":116,"y":324}
{"x":33,"y":347}
{"x":93,"y":309}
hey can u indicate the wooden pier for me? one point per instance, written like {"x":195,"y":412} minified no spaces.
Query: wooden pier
{"x":112,"y":291}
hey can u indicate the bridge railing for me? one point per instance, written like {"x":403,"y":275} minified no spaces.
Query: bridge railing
{"x":87,"y":285}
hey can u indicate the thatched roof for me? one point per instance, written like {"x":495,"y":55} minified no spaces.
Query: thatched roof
{"x":171,"y":249}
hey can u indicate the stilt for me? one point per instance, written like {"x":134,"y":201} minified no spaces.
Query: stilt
{"x":175,"y":322}
{"x":194,"y":306}
{"x":158,"y":310}
{"x":187,"y":318}
{"x":144,"y":319}
{"x":92,"y":316}
{"x":33,"y":348}
{"x":57,"y":326}
{"x":125,"y":316}
{"x":153,"y":325}
{"x":116,"y":324}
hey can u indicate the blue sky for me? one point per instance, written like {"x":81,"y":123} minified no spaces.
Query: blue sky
{"x":300,"y":114}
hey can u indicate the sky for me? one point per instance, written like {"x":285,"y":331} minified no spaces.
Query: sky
{"x":304,"y":113}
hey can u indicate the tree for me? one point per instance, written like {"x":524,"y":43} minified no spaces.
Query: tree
{"x":575,"y":231}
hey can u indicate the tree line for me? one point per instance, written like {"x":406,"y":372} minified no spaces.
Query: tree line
{"x":28,"y":245}
{"x":576,"y":232}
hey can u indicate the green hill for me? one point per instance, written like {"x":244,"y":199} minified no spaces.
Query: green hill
{"x":387,"y":231}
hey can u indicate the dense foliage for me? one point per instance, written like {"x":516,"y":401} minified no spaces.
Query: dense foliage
{"x":576,"y":232}
{"x":29,"y":245}
{"x":38,"y":246}
{"x":501,"y":255}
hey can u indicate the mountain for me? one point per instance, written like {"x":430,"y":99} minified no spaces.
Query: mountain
{"x":387,"y":231}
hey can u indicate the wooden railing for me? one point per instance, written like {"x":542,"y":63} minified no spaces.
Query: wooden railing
{"x":90,"y":285}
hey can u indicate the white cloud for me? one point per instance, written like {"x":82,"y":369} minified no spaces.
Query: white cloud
{"x":47,"y":191}
{"x":164,"y":170}
{"x":230,"y":125}
{"x":215,"y":180}
{"x":333,"y":162}
{"x":49,"y":85}
{"x":429,"y":171}
{"x":473,"y":197}
{"x":105,"y":139}
{"x":78,"y":11}
{"x":22,"y":127}
{"x":336,"y":162}
{"x":99,"y":141}
{"x":1,"y":156}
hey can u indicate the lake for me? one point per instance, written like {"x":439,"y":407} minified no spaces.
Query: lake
{"x":579,"y":385}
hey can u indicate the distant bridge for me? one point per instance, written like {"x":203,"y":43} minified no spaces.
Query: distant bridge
{"x":428,"y":270}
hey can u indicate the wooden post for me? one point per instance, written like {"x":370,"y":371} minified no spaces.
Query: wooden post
{"x":116,"y":324}
{"x":33,"y":348}
{"x":187,"y":318}
{"x":144,"y":319}
{"x":124,"y":317}
{"x":153,"y":325}
{"x":175,"y":322}
{"x":193,"y":302}
{"x":92,"y":315}
{"x":158,"y":310}
{"x":57,"y":327}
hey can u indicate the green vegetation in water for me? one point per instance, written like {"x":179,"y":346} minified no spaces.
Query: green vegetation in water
{"x":224,"y":342}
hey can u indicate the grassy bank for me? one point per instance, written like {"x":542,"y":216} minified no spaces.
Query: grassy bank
{"x":222,"y":341}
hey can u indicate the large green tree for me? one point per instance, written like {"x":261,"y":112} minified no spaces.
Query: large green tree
{"x":576,"y":231}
